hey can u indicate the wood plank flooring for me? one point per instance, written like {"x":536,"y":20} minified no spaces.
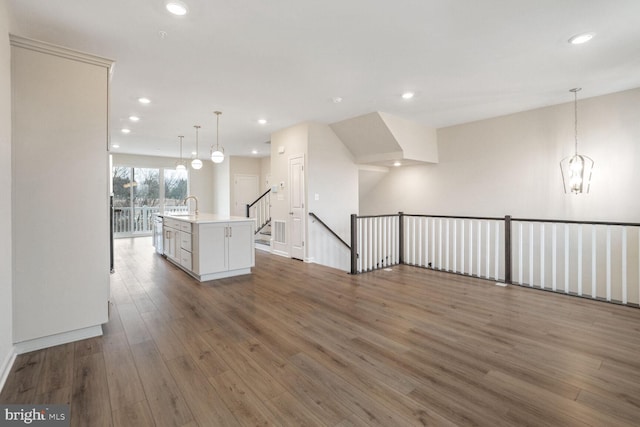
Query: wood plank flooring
{"x":299,"y":344}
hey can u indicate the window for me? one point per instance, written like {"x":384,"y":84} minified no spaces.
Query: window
{"x":175,"y":190}
{"x":139,"y":193}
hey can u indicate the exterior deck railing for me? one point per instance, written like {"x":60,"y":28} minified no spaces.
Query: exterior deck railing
{"x":139,"y":220}
{"x":598,"y":260}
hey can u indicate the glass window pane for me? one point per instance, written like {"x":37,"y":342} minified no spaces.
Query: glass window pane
{"x":121,"y":199}
{"x":175,"y":190}
{"x":146,"y":198}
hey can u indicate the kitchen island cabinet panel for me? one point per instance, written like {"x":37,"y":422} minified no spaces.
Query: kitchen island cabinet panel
{"x":215,"y":246}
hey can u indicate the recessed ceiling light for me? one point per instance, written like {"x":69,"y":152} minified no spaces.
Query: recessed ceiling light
{"x":254,"y":152}
{"x":125,"y":130}
{"x":397,"y":163}
{"x":115,"y":146}
{"x":177,"y":8}
{"x":134,"y":118}
{"x":407,"y":95}
{"x":144,"y":100}
{"x":581,"y":38}
{"x":337,"y":100}
{"x":193,"y":153}
{"x":262,"y":121}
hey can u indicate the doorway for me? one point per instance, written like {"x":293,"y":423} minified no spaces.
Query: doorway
{"x":296,"y":206}
{"x":245,"y":192}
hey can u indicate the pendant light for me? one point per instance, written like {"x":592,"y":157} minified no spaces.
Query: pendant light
{"x":576,"y":170}
{"x":217,"y":155}
{"x":180,"y":163}
{"x":196,"y":163}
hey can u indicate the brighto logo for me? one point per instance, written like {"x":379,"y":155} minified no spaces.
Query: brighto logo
{"x":25,"y":416}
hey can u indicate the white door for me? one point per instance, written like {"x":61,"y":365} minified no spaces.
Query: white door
{"x":245,"y":192}
{"x":296,"y":206}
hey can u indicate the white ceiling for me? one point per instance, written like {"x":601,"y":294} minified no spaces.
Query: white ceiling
{"x":285,"y":60}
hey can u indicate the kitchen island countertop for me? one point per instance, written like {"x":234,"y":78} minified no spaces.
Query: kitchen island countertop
{"x":204,"y":218}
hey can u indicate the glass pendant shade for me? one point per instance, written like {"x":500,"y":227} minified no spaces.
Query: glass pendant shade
{"x":217,"y":156}
{"x":217,"y":153}
{"x":196,"y":163}
{"x":576,"y":173}
{"x":577,"y":169}
{"x":180,"y":167}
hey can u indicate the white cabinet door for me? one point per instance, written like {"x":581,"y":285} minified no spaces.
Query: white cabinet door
{"x":211,"y":248}
{"x":240,"y":239}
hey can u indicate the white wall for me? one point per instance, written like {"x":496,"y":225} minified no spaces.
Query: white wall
{"x":510,"y":165}
{"x":6,"y":313}
{"x":221,"y":186}
{"x":265,"y":174}
{"x":332,"y":185}
{"x":293,"y":141}
{"x":200,"y":181}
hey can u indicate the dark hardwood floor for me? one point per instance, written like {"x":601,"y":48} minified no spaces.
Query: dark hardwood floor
{"x":300,"y":344}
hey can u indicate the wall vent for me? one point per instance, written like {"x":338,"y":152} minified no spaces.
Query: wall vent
{"x":278,"y":232}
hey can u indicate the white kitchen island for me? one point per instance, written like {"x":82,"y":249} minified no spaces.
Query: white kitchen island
{"x":209,"y":246}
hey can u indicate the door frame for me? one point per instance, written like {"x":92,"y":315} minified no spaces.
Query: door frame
{"x":303,"y":215}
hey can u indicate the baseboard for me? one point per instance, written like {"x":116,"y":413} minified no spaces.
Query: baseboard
{"x":6,"y":366}
{"x":261,"y":247}
{"x":280,"y":253}
{"x":57,"y":339}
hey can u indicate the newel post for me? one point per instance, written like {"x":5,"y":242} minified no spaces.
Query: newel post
{"x":401,"y":237}
{"x":507,"y":249}
{"x":354,"y":244}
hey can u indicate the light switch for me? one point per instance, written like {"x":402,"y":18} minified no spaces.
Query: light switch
{"x":317,"y":197}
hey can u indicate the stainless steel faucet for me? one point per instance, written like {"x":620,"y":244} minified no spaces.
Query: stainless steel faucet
{"x":194,"y":198}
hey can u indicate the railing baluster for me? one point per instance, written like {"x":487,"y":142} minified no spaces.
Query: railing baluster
{"x":426,"y":242}
{"x":479,"y":249}
{"x":531,"y":254}
{"x":447,"y":246}
{"x":471,"y":247}
{"x":624,"y":265}
{"x":554,"y":262}
{"x":440,"y":244}
{"x":488,"y":266}
{"x":414,"y":242}
{"x":520,"y":262}
{"x":455,"y":245}
{"x":580,"y":260}
{"x":462,"y":249}
{"x":608,"y":258}
{"x":419,"y":243}
{"x":497,"y":252}
{"x":566,"y":258}
{"x":594,"y":292}
{"x":542,"y":256}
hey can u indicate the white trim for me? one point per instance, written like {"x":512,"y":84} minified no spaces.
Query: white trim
{"x":58,"y":339}
{"x":264,"y":248}
{"x":280,"y":253}
{"x":6,"y":366}
{"x":62,"y":52}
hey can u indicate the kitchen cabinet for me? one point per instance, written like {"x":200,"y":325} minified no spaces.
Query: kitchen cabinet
{"x":60,"y":120}
{"x":210,"y":246}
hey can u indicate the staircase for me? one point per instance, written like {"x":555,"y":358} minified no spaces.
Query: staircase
{"x":263,"y":237}
{"x":260,"y":210}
